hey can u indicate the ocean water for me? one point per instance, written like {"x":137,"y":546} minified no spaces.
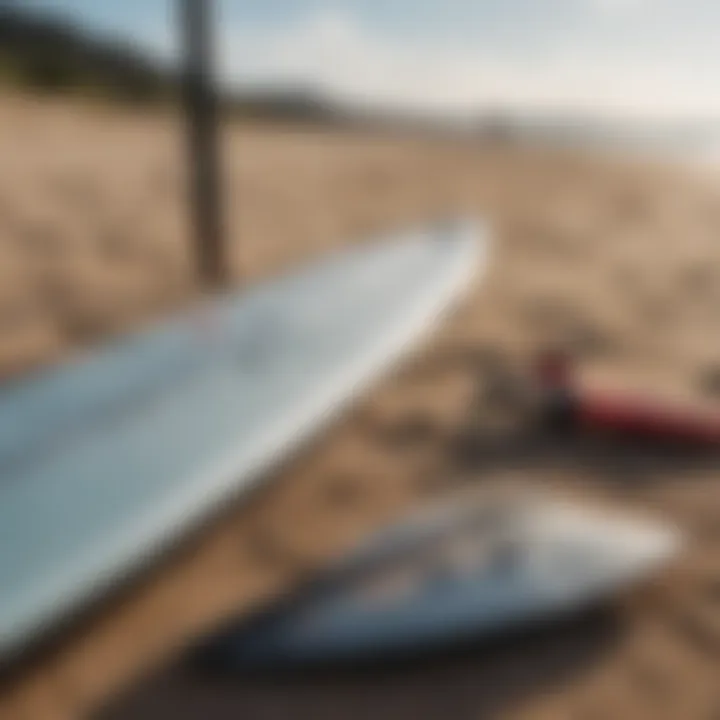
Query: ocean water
{"x":693,"y":145}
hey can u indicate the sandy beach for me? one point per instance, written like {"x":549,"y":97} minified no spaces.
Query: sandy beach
{"x":617,"y":261}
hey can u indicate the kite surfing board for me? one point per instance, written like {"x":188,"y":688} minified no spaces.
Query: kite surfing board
{"x":460,"y":570}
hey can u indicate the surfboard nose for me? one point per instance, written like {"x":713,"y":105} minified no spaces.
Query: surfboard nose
{"x":636,"y":549}
{"x":596,"y":554}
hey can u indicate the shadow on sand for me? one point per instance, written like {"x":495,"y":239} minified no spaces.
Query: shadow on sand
{"x":476,"y":680}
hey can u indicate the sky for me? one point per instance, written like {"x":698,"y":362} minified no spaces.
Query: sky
{"x":642,"y":58}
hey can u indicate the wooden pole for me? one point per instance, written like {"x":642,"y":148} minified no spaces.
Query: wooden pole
{"x":200,"y":99}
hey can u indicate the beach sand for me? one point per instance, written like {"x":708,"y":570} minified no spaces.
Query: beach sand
{"x":618,"y":261}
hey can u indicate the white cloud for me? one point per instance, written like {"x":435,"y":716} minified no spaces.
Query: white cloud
{"x":617,"y":4}
{"x":332,"y":51}
{"x":620,"y":7}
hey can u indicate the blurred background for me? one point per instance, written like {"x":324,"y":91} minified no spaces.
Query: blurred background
{"x":584,"y":132}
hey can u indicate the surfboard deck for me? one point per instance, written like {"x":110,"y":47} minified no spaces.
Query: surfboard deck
{"x":465,"y":569}
{"x":103,"y":461}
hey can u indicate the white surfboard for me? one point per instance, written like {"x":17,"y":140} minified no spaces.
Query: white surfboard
{"x":463,"y":570}
{"x":105,"y":460}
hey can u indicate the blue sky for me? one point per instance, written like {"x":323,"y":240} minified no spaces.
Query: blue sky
{"x":637,"y":57}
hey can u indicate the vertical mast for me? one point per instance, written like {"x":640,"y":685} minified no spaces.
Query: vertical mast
{"x":200,"y":99}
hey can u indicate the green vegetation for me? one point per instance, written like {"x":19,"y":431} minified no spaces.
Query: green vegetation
{"x":48,"y":56}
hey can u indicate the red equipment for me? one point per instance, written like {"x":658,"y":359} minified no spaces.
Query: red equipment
{"x":568,"y":405}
